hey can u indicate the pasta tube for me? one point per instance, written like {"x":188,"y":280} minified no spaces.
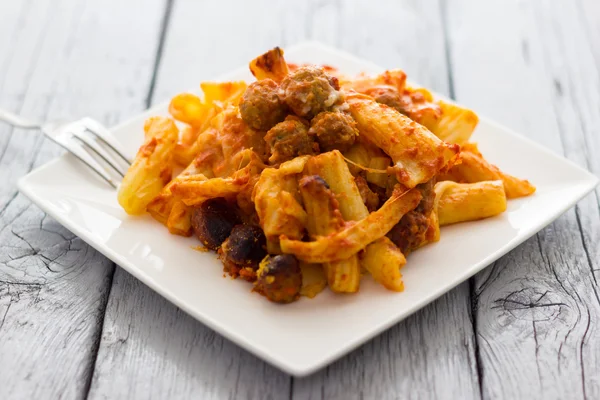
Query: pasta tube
{"x":361,"y":153}
{"x":357,"y":154}
{"x":456,"y":124}
{"x":152,"y":167}
{"x":199,"y":115}
{"x":355,"y":236}
{"x":460,"y":202}
{"x":194,"y":189}
{"x":198,"y":140}
{"x":383,"y":260}
{"x":313,"y":279}
{"x":235,"y":137}
{"x":417,"y":153}
{"x":230,"y":92}
{"x":448,"y":121}
{"x":378,"y":178}
{"x":343,"y":276}
{"x":188,"y":108}
{"x":270,"y":65}
{"x":475,"y":168}
{"x":171,"y":211}
{"x":333,"y":169}
{"x":395,"y":78}
{"x":180,"y":219}
{"x":277,"y":202}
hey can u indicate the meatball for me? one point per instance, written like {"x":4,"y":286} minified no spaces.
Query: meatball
{"x":426,"y":205}
{"x":289,"y":139}
{"x":279,"y":278}
{"x":409,"y":233}
{"x":390,"y":97}
{"x":369,"y":197}
{"x":245,"y":245}
{"x":334,"y":131}
{"x":243,"y":250}
{"x":260,"y":106}
{"x":309,"y":90}
{"x":213,"y":221}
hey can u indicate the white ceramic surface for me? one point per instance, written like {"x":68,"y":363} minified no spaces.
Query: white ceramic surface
{"x":304,"y":336}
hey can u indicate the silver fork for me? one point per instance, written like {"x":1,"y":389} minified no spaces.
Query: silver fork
{"x":86,"y":139}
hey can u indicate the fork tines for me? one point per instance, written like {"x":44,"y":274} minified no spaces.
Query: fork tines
{"x":94,"y":145}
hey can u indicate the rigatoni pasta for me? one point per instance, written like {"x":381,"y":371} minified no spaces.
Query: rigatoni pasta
{"x":332,"y":167}
{"x":455,"y":125}
{"x":307,"y":179}
{"x":417,"y":154}
{"x":461,"y":202}
{"x":475,"y":168}
{"x":354,"y":237}
{"x":152,"y":167}
{"x":270,"y":65}
{"x":277,"y":202}
{"x":383,"y":260}
{"x":323,"y":219}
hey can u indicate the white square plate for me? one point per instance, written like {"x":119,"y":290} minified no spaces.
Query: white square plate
{"x":324,"y":328}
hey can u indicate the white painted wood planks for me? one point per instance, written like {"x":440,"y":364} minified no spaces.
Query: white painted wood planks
{"x":198,"y":363}
{"x":59,"y":59}
{"x":530,"y":65}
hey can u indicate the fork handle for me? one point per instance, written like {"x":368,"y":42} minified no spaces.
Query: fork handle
{"x":17,"y":121}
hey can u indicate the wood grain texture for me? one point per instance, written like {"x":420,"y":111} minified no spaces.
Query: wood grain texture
{"x":149,"y":348}
{"x":53,"y":287}
{"x":538,"y":310}
{"x":431,"y":354}
{"x":534,"y":66}
{"x":163,"y":353}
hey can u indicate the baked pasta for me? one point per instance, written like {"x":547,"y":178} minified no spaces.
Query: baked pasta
{"x":306,"y":179}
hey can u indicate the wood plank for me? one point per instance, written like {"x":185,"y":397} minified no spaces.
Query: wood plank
{"x":431,"y":354}
{"x":589,"y":14}
{"x":537,"y":308}
{"x":150,"y":349}
{"x":54,"y":63}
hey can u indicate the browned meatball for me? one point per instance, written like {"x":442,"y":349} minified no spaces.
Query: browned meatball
{"x":245,"y":245}
{"x":243,"y":250}
{"x":289,"y":139}
{"x":309,"y":90}
{"x":390,"y":97}
{"x":334,"y":131}
{"x":409,"y":233}
{"x":213,"y":221}
{"x":260,"y":106}
{"x":426,"y":205}
{"x":370,"y":198}
{"x":279,"y":278}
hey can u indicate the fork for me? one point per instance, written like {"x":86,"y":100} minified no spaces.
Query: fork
{"x":86,"y":139}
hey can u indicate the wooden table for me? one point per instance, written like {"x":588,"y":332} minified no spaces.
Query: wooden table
{"x":73,"y":325}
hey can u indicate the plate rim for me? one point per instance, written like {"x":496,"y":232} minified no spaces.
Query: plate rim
{"x":298,"y":369}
